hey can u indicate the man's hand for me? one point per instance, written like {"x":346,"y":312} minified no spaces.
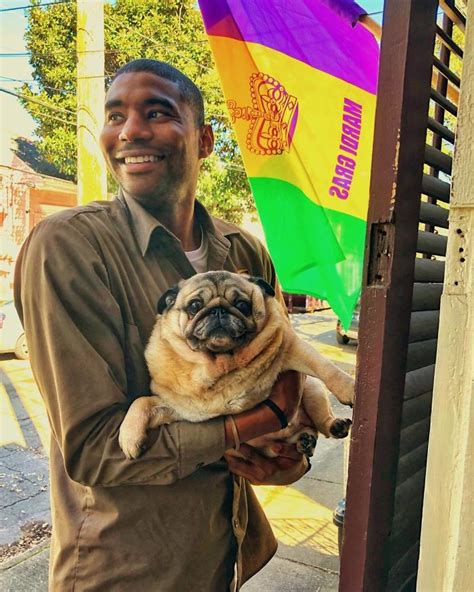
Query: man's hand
{"x":287,"y":391}
{"x":286,"y":468}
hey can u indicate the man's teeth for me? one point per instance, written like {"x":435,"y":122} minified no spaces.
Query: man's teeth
{"x":137,"y":159}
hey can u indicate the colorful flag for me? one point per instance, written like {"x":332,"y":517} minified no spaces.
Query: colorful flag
{"x":299,"y":80}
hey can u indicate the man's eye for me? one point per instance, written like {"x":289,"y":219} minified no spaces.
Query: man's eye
{"x":155,"y":114}
{"x":114,"y":117}
{"x":194,"y":307}
{"x":244,"y":307}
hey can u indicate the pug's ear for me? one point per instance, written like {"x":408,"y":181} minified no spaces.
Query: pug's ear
{"x":263,"y":285}
{"x":167,"y":299}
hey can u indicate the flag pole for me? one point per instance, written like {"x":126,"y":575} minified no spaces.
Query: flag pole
{"x":371,"y":25}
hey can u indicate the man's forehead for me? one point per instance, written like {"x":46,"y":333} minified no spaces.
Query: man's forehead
{"x":123,"y":85}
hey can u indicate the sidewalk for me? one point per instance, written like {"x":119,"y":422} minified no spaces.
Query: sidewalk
{"x":301,"y":515}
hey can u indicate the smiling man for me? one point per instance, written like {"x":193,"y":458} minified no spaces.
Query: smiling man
{"x":183,"y":516}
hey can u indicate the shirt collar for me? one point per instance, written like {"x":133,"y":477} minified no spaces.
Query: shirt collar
{"x":144,"y":224}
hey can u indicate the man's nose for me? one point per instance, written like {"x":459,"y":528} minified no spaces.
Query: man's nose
{"x":135,"y":128}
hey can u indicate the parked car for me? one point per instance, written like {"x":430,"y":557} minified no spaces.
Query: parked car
{"x":343,"y":336}
{"x":12,"y":336}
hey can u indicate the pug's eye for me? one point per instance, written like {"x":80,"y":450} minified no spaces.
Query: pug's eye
{"x":194,"y":307}
{"x":244,"y":307}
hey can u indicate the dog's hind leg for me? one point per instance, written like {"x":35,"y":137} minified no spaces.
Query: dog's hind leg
{"x":305,"y":441}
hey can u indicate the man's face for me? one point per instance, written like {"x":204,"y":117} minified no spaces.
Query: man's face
{"x":150,"y":139}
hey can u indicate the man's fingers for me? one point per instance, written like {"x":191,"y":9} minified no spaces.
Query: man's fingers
{"x":250,"y":453}
{"x":259,"y":469}
{"x":251,"y":471}
{"x":286,"y":450}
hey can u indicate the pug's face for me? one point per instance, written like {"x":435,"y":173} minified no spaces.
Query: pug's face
{"x":217,"y":311}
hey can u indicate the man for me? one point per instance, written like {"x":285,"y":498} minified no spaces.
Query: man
{"x":87,"y":282}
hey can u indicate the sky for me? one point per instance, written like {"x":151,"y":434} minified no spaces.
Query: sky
{"x":15,"y":120}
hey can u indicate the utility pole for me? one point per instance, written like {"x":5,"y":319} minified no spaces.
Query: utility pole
{"x":91,"y":170}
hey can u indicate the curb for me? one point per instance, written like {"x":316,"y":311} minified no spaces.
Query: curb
{"x":24,"y":556}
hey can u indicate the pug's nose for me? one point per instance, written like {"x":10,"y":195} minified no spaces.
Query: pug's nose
{"x":218,"y":311}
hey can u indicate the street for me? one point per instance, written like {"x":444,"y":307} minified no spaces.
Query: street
{"x":301,"y":515}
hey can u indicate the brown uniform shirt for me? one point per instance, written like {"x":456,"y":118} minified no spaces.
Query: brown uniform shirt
{"x":175,"y":520}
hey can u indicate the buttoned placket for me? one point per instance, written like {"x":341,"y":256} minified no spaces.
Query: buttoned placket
{"x":162,"y":244}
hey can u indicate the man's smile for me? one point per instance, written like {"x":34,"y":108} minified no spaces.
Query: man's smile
{"x":134,"y":163}
{"x":147,"y":158}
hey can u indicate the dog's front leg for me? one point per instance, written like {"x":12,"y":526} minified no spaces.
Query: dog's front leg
{"x":144,"y":413}
{"x":303,"y":357}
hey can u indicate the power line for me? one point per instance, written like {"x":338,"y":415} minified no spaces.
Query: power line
{"x":30,"y":82}
{"x":157,"y":43}
{"x":37,"y":101}
{"x":30,"y":6}
{"x":45,"y":114}
{"x":16,"y":54}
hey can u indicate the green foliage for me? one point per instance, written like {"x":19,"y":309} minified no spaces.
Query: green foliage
{"x":168,"y":30}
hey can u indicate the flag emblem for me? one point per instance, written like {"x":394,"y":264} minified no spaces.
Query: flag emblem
{"x":273,"y":116}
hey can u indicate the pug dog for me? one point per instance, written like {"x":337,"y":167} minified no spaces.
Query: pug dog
{"x":218,"y":345}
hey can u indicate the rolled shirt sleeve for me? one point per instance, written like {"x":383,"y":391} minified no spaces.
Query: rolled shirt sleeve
{"x":77,"y":342}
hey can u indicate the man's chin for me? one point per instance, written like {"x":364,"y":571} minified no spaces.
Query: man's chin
{"x":145,"y":195}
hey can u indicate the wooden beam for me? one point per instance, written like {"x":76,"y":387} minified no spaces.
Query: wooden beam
{"x":396,"y":178}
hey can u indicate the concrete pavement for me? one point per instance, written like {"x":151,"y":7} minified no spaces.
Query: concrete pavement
{"x":301,"y":515}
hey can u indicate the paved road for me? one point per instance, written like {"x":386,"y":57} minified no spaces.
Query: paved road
{"x":301,"y":515}
{"x":24,"y":437}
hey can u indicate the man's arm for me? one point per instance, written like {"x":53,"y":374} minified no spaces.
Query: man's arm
{"x":289,"y":465}
{"x":76,"y":337}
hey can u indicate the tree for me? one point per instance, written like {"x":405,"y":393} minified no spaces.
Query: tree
{"x":169,"y":30}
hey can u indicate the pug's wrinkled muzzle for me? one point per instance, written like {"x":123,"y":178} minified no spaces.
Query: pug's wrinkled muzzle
{"x":219,"y":319}
{"x":218,"y":330}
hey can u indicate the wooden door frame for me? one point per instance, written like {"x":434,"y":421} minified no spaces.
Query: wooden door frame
{"x":396,"y":185}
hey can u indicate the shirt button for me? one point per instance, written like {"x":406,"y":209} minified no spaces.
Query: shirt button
{"x":236,"y":524}
{"x":199,"y":465}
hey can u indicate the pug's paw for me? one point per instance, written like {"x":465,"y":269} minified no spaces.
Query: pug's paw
{"x":340,"y":427}
{"x":306,"y":442}
{"x":345,"y":390}
{"x":132,"y":444}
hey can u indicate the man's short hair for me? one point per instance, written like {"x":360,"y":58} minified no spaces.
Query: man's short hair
{"x":189,"y":91}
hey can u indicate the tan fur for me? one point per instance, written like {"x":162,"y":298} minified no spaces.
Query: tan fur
{"x":196,"y":385}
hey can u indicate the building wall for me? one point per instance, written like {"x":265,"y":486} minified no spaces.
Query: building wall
{"x":25,"y":199}
{"x":447,"y":554}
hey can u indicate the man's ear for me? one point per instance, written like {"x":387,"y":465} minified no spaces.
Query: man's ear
{"x":167,"y":300}
{"x":263,"y":285}
{"x":206,"y":141}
